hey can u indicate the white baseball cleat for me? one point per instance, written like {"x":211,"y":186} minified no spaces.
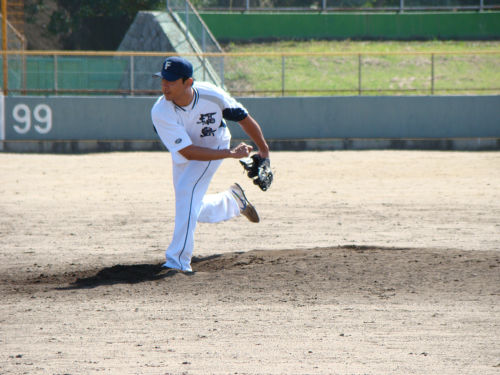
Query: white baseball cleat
{"x":246,"y":208}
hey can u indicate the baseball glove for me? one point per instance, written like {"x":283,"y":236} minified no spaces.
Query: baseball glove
{"x":259,"y":170}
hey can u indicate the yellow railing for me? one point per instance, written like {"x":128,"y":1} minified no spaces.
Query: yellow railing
{"x":241,"y":54}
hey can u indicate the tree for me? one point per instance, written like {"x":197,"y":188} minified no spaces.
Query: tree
{"x":96,"y":24}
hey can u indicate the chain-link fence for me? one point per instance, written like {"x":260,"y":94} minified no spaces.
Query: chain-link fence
{"x":199,"y":37}
{"x":192,"y":22}
{"x":265,"y":74}
{"x":345,"y":5}
{"x":16,"y":63}
{"x":364,"y":73}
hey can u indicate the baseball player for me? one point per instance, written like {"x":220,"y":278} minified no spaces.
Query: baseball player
{"x":190,"y":120}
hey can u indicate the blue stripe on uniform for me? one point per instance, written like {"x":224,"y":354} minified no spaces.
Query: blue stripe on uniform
{"x":196,"y":97}
{"x":190,"y":209}
{"x":195,"y":100}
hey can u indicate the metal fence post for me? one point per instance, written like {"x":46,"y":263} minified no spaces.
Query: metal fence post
{"x":247,"y":5}
{"x":222,"y":71}
{"x":359,"y":74}
{"x":481,"y":5}
{"x":203,"y":40}
{"x":204,"y":66}
{"x":282,"y":75}
{"x":432,"y":74}
{"x":56,"y":84}
{"x":132,"y":81}
{"x":187,"y":20}
{"x":24,"y":69}
{"x":323,"y":6}
{"x":5,"y":73}
{"x":401,"y":6}
{"x":5,"y":46}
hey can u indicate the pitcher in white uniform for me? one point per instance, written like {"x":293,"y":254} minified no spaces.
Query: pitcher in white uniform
{"x":189,"y":119}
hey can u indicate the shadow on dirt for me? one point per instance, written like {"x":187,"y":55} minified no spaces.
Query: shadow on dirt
{"x":129,"y":274}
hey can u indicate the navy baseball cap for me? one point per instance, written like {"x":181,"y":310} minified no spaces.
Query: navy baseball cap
{"x":174,"y":68}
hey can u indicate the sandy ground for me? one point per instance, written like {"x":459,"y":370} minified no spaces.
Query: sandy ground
{"x":372,"y":262}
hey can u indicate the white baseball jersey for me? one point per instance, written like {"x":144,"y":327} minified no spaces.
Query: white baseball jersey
{"x":201,"y":123}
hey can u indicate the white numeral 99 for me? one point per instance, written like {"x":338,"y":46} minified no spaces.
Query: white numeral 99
{"x":45,"y":119}
{"x":22,"y":114}
{"x":42,"y":115}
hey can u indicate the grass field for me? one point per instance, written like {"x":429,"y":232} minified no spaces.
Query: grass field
{"x":370,"y":68}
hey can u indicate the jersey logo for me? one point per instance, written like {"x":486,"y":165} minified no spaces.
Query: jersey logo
{"x":207,"y":131}
{"x":178,"y":140}
{"x":206,"y":118}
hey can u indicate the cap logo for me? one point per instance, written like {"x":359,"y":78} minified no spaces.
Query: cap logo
{"x":174,"y":68}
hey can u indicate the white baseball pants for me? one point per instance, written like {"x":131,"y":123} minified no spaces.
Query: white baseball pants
{"x":191,"y":181}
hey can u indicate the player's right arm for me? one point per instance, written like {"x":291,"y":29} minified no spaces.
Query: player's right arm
{"x":193,"y":152}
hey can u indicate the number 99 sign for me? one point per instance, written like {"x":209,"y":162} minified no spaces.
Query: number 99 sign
{"x":42,"y":116}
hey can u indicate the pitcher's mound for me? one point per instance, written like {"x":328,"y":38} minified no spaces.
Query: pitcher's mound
{"x":382,"y":272}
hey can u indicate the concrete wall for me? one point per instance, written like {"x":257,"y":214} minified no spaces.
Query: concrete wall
{"x":159,"y":31}
{"x":395,"y":26}
{"x":378,"y":117}
{"x":78,"y":118}
{"x":93,"y":123}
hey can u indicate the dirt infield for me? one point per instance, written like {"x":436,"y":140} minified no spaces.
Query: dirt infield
{"x":366,"y":262}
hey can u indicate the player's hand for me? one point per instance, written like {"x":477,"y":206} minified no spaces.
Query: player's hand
{"x":241,"y":151}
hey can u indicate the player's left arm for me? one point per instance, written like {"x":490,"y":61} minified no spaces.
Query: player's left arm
{"x":254,"y":131}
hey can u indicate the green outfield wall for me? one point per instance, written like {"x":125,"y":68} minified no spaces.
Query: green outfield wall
{"x":390,"y":26}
